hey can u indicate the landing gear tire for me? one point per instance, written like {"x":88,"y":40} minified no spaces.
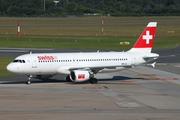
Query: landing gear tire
{"x":93,"y":81}
{"x":28,"y":82}
{"x":68,"y":79}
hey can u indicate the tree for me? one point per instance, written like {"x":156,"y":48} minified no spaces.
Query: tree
{"x":79,"y":7}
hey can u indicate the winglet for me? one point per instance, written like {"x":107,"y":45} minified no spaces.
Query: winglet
{"x":145,"y":41}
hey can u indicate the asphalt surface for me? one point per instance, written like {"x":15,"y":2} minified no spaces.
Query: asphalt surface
{"x":141,"y":93}
{"x":53,"y":23}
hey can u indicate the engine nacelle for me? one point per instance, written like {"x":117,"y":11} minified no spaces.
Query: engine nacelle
{"x":79,"y":75}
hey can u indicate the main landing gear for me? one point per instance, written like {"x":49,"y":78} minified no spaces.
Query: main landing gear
{"x":93,"y":80}
{"x":29,"y":80}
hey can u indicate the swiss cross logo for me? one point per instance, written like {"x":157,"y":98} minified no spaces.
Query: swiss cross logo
{"x":147,"y":37}
{"x":81,"y":76}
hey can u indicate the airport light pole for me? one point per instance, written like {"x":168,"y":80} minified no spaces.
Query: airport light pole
{"x":44,"y":4}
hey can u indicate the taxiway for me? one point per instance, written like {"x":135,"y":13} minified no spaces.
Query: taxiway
{"x":140,"y":93}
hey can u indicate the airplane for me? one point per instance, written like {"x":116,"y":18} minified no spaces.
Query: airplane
{"x":80,"y":67}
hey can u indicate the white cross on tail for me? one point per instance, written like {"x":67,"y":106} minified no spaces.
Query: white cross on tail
{"x":147,"y":37}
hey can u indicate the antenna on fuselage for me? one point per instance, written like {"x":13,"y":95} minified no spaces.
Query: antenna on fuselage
{"x":30,"y":52}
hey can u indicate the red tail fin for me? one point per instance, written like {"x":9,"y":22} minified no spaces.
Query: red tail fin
{"x":146,"y":39}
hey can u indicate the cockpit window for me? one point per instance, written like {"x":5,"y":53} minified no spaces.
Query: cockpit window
{"x":16,"y":61}
{"x":19,"y":61}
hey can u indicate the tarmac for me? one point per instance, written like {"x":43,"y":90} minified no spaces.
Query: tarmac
{"x":140,"y":93}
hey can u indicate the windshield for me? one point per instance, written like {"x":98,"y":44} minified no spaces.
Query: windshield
{"x":19,"y":61}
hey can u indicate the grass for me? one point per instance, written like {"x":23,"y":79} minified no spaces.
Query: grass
{"x":4,"y":61}
{"x":85,"y":32}
{"x":91,"y":42}
{"x":89,"y":26}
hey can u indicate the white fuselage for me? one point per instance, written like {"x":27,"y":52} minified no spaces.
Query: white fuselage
{"x":62,"y":63}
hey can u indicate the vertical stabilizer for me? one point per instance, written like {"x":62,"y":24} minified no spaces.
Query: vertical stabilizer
{"x":145,"y":41}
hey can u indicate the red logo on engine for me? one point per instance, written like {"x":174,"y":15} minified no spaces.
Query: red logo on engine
{"x":81,"y":76}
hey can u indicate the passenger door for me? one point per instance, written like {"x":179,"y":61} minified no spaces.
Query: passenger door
{"x":34,"y":61}
{"x":133,"y":60}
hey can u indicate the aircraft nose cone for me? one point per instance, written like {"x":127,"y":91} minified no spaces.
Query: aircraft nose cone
{"x":10,"y":68}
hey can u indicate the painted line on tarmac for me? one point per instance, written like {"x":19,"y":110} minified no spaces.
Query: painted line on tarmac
{"x":13,"y":51}
{"x":172,"y":82}
{"x":169,"y":80}
{"x":7,"y":48}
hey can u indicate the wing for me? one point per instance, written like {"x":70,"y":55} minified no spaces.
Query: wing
{"x":94,"y":70}
{"x":104,"y":69}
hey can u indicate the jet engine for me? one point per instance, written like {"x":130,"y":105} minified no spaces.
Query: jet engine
{"x":79,"y":75}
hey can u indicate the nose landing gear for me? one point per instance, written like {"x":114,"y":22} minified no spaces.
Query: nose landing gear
{"x":29,"y":80}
